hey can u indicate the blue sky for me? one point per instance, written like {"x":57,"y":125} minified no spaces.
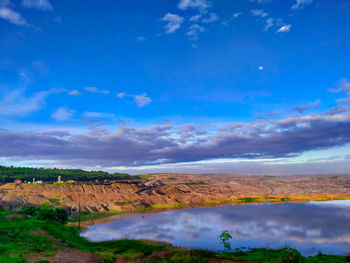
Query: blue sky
{"x":245,"y":86}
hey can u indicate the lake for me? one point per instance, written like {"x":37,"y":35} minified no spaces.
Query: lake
{"x":307,"y":227}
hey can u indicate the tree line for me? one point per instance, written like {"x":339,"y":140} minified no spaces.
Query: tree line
{"x":9,"y":174}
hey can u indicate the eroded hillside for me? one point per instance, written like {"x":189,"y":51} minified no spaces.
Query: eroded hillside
{"x":171,"y":189}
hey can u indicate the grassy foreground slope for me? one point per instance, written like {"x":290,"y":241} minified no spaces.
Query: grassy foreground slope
{"x":40,"y":235}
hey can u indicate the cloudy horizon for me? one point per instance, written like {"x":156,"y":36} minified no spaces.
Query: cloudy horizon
{"x":190,"y":86}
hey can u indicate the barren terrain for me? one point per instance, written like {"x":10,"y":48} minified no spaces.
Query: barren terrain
{"x":177,"y":190}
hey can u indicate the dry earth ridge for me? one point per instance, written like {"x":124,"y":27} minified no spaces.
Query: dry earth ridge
{"x":171,"y":189}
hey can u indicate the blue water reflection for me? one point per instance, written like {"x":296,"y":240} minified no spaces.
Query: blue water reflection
{"x":310,"y":227}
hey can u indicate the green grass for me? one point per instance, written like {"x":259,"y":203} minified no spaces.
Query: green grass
{"x":248,"y":199}
{"x":285,"y":199}
{"x":162,"y":206}
{"x":285,"y":255}
{"x":94,"y":216}
{"x":271,"y":198}
{"x":22,"y":235}
{"x":143,"y":176}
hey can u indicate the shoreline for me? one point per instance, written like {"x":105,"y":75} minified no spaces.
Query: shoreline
{"x":109,"y":216}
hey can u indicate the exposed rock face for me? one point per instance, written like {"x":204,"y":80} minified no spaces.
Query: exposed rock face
{"x":169,"y":189}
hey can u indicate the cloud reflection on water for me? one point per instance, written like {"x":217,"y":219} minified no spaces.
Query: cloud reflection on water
{"x":310,"y":228}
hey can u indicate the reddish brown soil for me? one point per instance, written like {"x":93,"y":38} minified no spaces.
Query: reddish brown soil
{"x":75,"y":256}
{"x":176,"y":188}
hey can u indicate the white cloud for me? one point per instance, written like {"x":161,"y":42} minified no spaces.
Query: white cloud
{"x":343,"y":86}
{"x":91,"y":114}
{"x":63,"y":114}
{"x":141,"y":39}
{"x":259,"y":12}
{"x":235,"y":15}
{"x":212,"y":18}
{"x":15,"y":103}
{"x":173,"y":22}
{"x":301,"y":3}
{"x":194,"y":31}
{"x":343,"y":100}
{"x":308,"y":106}
{"x":104,"y":91}
{"x":121,"y":95}
{"x":197,"y":4}
{"x":284,"y":29}
{"x":269,"y":23}
{"x":12,"y":16}
{"x":74,"y":92}
{"x":141,"y":99}
{"x":38,"y":4}
{"x":195,"y":18}
{"x":96,"y":90}
{"x":91,"y":89}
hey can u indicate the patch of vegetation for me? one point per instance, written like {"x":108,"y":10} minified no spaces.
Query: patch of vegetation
{"x":285,"y":199}
{"x":142,"y":176}
{"x":34,"y":231}
{"x":271,"y":198}
{"x":9,"y":174}
{"x":248,"y":199}
{"x":45,"y":212}
{"x":94,"y":216}
{"x":56,"y":200}
{"x":284,"y":255}
{"x":37,"y":230}
{"x":165,"y":205}
{"x":125,"y":203}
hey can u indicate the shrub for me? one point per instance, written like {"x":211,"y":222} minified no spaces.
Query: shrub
{"x":29,"y":210}
{"x":285,"y":199}
{"x":291,"y":256}
{"x":45,"y":212}
{"x":61,"y":215}
{"x":248,"y":199}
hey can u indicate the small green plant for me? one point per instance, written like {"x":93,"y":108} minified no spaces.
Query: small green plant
{"x":285,"y":199}
{"x":291,"y":256}
{"x":225,"y":237}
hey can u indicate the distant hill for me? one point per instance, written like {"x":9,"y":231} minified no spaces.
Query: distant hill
{"x":9,"y":174}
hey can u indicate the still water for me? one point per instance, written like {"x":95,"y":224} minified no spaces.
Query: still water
{"x":309,"y":227}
